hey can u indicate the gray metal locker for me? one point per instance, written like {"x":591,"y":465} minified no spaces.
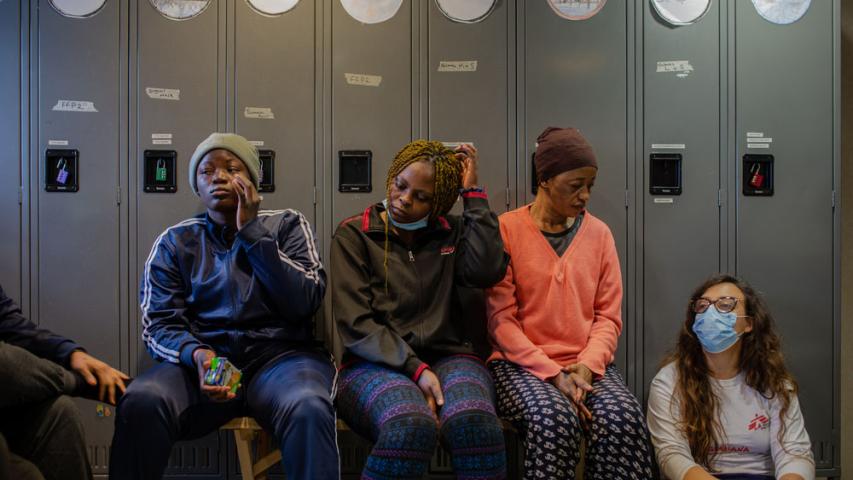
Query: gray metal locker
{"x":10,"y":161}
{"x":575,"y":74}
{"x":177,"y":83}
{"x":76,"y":237}
{"x":785,"y":81}
{"x":468,"y":96}
{"x":274,"y":95}
{"x":681,"y":118}
{"x":371,"y":99}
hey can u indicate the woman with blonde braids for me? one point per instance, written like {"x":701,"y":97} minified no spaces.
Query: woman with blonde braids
{"x":725,"y":406}
{"x":410,"y":372}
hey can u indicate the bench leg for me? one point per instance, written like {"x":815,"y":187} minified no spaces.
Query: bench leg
{"x":243,"y":440}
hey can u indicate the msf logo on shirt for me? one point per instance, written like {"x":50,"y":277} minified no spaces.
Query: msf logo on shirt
{"x":760,"y":422}
{"x":448,"y":250}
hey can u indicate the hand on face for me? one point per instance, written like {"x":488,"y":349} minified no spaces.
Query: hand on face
{"x":468,"y":155}
{"x":248,"y":201}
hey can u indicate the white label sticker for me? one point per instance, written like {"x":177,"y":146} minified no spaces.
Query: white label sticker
{"x":257,"y":143}
{"x":161,"y":141}
{"x":681,"y":68}
{"x":664,"y":200}
{"x":668,"y":146}
{"x":754,"y":134}
{"x":163,"y":93}
{"x":363,"y":80}
{"x":264,"y":113}
{"x":58,"y":143}
{"x":161,"y":135}
{"x":74,"y":106}
{"x":757,"y":145}
{"x":760,"y":140}
{"x":457,"y":66}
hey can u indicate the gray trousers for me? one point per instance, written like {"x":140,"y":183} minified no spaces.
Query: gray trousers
{"x":41,"y":432}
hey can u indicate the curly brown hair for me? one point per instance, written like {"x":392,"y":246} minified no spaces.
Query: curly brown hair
{"x":761,"y":362}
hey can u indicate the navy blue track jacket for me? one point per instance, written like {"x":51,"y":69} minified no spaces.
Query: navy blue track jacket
{"x":250,"y":300}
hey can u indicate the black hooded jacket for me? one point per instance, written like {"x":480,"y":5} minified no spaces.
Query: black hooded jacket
{"x":419,"y":318}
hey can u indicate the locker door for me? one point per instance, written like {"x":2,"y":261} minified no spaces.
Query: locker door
{"x":371,"y":98}
{"x":681,"y":233}
{"x":178,"y":71}
{"x":77,"y":237}
{"x":274,"y":98}
{"x":10,"y":161}
{"x":469,"y":102}
{"x":575,"y":76}
{"x":785,"y":241}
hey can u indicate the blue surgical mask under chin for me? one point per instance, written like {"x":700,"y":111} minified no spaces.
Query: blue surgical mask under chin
{"x":716,"y":331}
{"x":417,"y":225}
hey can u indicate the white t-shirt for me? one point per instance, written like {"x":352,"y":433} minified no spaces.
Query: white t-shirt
{"x":750,"y":424}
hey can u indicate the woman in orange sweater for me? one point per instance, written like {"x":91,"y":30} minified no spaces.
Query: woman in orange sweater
{"x":554,"y":322}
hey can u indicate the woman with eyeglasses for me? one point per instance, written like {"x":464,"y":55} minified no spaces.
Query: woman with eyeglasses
{"x":724,"y":405}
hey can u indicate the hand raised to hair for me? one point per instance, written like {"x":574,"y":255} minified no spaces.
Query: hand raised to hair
{"x":248,"y":201}
{"x":468,"y":155}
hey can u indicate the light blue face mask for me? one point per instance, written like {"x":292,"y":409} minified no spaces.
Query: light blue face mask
{"x":417,"y":225}
{"x":716,"y":331}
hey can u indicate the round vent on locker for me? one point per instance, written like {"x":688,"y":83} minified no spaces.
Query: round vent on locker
{"x":272,"y":7}
{"x":681,"y":12}
{"x":371,"y":11}
{"x":77,"y":8}
{"x":180,"y":9}
{"x":782,"y":12}
{"x":576,"y":9}
{"x":466,"y":11}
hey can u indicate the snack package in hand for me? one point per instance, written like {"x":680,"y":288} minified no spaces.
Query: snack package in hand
{"x":223,"y":373}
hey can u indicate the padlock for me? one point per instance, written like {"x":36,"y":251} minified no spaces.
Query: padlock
{"x":160,"y":174}
{"x":757,"y":179}
{"x":62,"y":173}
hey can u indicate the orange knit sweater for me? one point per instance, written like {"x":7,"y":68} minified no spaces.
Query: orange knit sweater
{"x":548,"y":311}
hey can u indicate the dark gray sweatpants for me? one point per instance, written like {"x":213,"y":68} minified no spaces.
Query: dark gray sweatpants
{"x":41,"y":432}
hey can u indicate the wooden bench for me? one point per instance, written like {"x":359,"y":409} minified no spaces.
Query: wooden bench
{"x":247,"y":431}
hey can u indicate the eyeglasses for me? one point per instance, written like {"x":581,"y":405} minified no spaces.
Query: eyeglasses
{"x":722,"y":304}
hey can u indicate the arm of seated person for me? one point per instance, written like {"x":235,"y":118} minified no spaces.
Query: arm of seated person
{"x":698,"y":473}
{"x":285,"y":260}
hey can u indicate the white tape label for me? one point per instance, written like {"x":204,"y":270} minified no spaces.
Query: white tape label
{"x":664,"y":200}
{"x":257,"y":143}
{"x":668,"y":146}
{"x":754,"y":134}
{"x":681,"y":68}
{"x":163,"y":93}
{"x":263,"y":113}
{"x":757,"y":145}
{"x":58,"y":143}
{"x":457,"y":66}
{"x":760,"y":140}
{"x":74,"y":106}
{"x":161,"y":141}
{"x":161,"y":135}
{"x":363,"y":80}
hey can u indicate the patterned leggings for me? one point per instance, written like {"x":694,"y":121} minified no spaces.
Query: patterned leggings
{"x":618,"y":444}
{"x":388,"y":408}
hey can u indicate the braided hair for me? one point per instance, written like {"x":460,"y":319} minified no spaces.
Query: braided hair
{"x":447,"y":173}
